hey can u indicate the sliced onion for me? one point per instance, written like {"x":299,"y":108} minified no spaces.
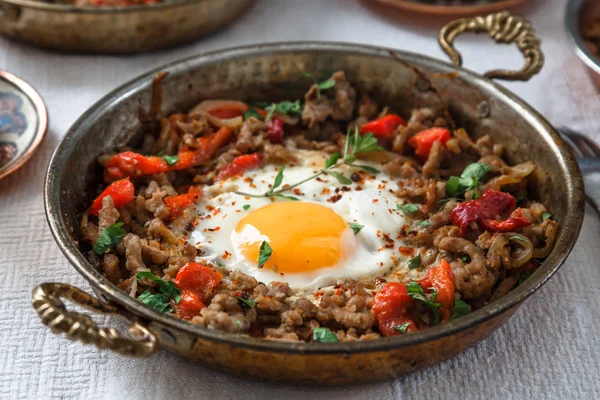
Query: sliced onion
{"x":516,"y":175}
{"x":286,"y":118}
{"x":204,"y":109}
{"x":523,"y":253}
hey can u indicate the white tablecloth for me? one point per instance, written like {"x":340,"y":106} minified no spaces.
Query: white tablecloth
{"x":549,"y":349}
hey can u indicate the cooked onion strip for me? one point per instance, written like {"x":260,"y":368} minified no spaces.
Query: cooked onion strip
{"x":523,"y":253}
{"x":204,"y":109}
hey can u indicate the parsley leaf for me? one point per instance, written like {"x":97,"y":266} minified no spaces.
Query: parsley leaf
{"x":356,"y":227}
{"x":109,"y":237}
{"x":402,"y":328}
{"x":252,"y":113}
{"x":416,"y":292}
{"x":460,"y":309}
{"x":367,"y":168}
{"x":246,"y":206}
{"x":425,"y":222}
{"x":341,"y":178}
{"x":546,"y":216}
{"x":324,"y":335}
{"x":327,"y":84}
{"x":170,"y":159}
{"x":465,"y":258}
{"x":264,"y":253}
{"x":332,"y":160}
{"x":278,"y":178}
{"x":366,"y":143}
{"x":284,"y":107}
{"x":246,"y":302}
{"x":166,"y":290}
{"x":468,"y":180}
{"x":414,"y":262}
{"x":408,"y":208}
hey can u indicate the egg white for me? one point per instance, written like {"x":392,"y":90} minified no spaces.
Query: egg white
{"x":372,"y":252}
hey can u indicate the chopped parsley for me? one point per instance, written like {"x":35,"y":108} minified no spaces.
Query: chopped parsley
{"x":170,"y":160}
{"x":356,"y":227}
{"x":160,"y":301}
{"x":246,"y":206}
{"x":408,"y":208}
{"x":416,"y":292}
{"x":402,"y":328}
{"x":284,"y":107}
{"x":252,"y":113}
{"x":264,"y":253}
{"x":460,"y":309}
{"x":109,"y":237}
{"x":425,"y":222}
{"x":468,"y":180}
{"x":546,"y":216}
{"x":465,"y":258}
{"x":324,"y":335}
{"x":414,"y":262}
{"x":249,"y":303}
{"x":326,"y":84}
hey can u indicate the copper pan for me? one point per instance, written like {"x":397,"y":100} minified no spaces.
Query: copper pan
{"x":115,"y":30}
{"x":274,"y":71}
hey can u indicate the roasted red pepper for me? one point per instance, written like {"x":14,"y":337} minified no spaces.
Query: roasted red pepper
{"x":189,"y":306}
{"x":230,"y":109}
{"x":384,"y":127}
{"x":121,"y":192}
{"x":130,"y":164}
{"x":423,"y":141}
{"x":178,"y":203}
{"x":275,"y":130}
{"x":199,"y":279}
{"x":485,"y":210}
{"x":441,"y":279}
{"x":389,"y":309}
{"x":239,"y":165}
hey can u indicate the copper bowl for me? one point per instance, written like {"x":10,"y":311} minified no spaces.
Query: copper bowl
{"x":579,"y":14}
{"x":115,"y":30}
{"x":274,"y":71}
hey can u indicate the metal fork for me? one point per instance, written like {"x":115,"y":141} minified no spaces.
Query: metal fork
{"x":587,"y":153}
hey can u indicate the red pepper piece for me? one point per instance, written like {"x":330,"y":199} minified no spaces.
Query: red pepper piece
{"x":384,"y":127}
{"x":275,"y":130}
{"x":515,"y":221}
{"x":121,"y":192}
{"x":423,"y":141}
{"x":239,"y":165}
{"x":189,"y":306}
{"x":389,"y":308}
{"x":198,"y":278}
{"x":211,"y":143}
{"x":229,"y":110}
{"x":485,"y":210}
{"x":178,"y":203}
{"x":441,"y":279}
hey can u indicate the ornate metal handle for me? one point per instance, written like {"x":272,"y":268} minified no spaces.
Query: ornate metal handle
{"x":503,"y":27}
{"x":53,"y":313}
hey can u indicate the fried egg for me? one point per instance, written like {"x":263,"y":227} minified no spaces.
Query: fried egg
{"x":312,"y":239}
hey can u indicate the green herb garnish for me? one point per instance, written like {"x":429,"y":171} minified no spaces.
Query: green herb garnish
{"x":402,"y":328}
{"x":324,"y":335}
{"x":252,"y":113}
{"x":264,"y":253}
{"x":408,"y":208}
{"x":416,"y":292}
{"x":355,"y":144}
{"x":246,"y":206}
{"x":326,"y":84}
{"x":170,"y":160}
{"x":109,"y":237}
{"x":356,"y":227}
{"x":546,"y":216}
{"x":468,"y":180}
{"x":460,"y":309}
{"x":465,"y":258}
{"x":414,"y":262}
{"x":246,"y":302}
{"x":284,"y":107}
{"x":425,"y":222}
{"x":166,"y":291}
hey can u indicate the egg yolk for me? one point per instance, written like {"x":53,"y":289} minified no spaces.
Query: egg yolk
{"x":303,"y":236}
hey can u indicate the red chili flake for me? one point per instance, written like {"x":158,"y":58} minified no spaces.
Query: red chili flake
{"x":335,"y":198}
{"x":381,"y":186}
{"x":408,"y":251}
{"x":209,"y":207}
{"x":345,"y":189}
{"x":216,"y":212}
{"x":325,"y":191}
{"x":375,"y":200}
{"x":226,"y":255}
{"x":378,"y":233}
{"x":297,"y":192}
{"x":319,"y":179}
{"x":358,"y":188}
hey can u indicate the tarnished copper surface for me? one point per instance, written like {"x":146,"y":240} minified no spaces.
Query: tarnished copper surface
{"x":579,"y":13}
{"x":426,"y":6}
{"x":272,"y":72}
{"x":126,"y":30}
